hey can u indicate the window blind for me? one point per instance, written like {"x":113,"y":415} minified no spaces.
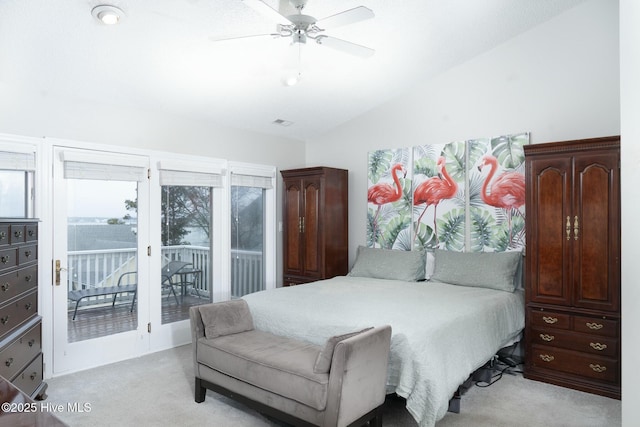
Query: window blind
{"x":187,"y":173}
{"x":248,"y":176}
{"x":21,"y":161}
{"x":103,"y":166}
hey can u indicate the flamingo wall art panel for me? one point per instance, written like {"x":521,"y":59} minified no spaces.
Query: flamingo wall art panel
{"x":463,"y":196}
{"x":389,"y":199}
{"x":438,"y":193}
{"x":497,"y":193}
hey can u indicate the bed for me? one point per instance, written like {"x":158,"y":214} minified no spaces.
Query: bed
{"x":441,"y":332}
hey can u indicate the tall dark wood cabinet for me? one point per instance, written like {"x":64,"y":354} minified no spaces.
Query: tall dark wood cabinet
{"x":572,"y":333}
{"x":20,"y":324}
{"x":315,"y":218}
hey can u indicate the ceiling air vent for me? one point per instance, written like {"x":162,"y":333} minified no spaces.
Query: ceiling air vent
{"x":281,"y":122}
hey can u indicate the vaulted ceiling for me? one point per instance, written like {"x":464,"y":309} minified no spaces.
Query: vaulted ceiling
{"x":162,"y":57}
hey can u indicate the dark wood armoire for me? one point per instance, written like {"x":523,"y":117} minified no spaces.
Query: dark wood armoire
{"x":315,"y":224}
{"x":572,"y":334}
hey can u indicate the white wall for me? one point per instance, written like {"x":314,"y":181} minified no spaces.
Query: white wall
{"x":558,"y":81}
{"x":561,"y":80}
{"x":37,"y":115}
{"x":630,"y":169}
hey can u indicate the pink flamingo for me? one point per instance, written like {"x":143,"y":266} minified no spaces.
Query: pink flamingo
{"x":433,"y":191}
{"x":383,"y":193}
{"x":506,"y":192}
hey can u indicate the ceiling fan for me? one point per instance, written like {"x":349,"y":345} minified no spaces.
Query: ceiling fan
{"x":300,"y":27}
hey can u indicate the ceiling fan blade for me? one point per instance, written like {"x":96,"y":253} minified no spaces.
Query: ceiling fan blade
{"x":350,"y":16}
{"x":230,"y":38}
{"x":345,"y":46}
{"x":267,"y":11}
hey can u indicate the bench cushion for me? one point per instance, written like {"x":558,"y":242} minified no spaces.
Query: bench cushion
{"x":224,"y":318}
{"x":278,"y":364}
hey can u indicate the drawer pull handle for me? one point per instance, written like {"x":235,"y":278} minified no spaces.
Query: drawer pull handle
{"x":5,"y":286}
{"x":30,"y":233}
{"x":4,"y":320}
{"x":547,"y":337}
{"x":27,"y":306}
{"x":9,"y":362}
{"x":27,"y":254}
{"x":4,"y":259}
{"x":598,"y":346}
{"x":595,"y":326}
{"x":550,"y":320}
{"x":546,"y":357}
{"x":33,"y":376}
{"x":18,"y":233}
{"x":31,"y":342}
{"x":27,"y":278}
{"x":597,"y":368}
{"x":3,"y":235}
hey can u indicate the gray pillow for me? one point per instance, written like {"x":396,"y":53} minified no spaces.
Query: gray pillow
{"x":323,"y":361}
{"x":225,"y":318}
{"x":493,"y":270}
{"x":408,"y":266}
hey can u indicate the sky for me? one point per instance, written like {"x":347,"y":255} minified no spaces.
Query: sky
{"x":93,"y":198}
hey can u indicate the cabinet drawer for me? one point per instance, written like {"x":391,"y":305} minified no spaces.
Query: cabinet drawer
{"x":8,"y":258}
{"x":17,"y":233}
{"x":17,"y":282}
{"x":19,"y":352}
{"x":597,"y":326}
{"x":31,"y":377}
{"x":292,"y":281}
{"x":15,"y":313}
{"x":27,"y":254}
{"x":547,"y":319}
{"x":592,"y":344}
{"x":4,"y":234}
{"x":596,"y":367}
{"x":31,"y":232}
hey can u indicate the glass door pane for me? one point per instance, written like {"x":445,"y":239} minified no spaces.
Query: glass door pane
{"x":186,"y":248}
{"x":102,"y":258}
{"x":247,"y":240}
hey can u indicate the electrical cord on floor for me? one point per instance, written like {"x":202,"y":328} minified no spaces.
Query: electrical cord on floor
{"x":501,"y":364}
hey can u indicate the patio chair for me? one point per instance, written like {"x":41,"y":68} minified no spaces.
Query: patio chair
{"x":170,"y":270}
{"x":80,"y":294}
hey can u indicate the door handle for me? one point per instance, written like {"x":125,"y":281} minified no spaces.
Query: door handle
{"x":58,"y":270}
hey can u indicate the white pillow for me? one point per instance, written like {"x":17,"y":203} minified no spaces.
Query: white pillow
{"x":493,"y":270}
{"x":376,"y":263}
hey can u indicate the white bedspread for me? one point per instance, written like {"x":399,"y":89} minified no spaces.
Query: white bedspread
{"x":440,"y":333}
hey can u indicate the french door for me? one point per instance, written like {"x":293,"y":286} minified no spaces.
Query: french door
{"x":101,"y":310}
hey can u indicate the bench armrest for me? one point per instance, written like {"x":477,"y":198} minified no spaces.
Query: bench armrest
{"x":358,"y":376}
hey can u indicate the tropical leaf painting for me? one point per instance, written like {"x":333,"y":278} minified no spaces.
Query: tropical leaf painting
{"x":388,"y":196}
{"x":438,"y":190}
{"x":421,"y":198}
{"x":497,"y":192}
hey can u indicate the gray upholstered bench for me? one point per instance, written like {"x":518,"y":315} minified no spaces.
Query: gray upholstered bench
{"x":341,"y":383}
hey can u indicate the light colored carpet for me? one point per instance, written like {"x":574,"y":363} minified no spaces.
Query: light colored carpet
{"x":157,"y":390}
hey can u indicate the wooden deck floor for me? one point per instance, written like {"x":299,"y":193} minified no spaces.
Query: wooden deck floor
{"x":102,"y":321}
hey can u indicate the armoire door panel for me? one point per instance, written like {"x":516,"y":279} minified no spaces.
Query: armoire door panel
{"x":551,"y":275}
{"x":293,"y":215}
{"x":597,"y":245}
{"x":312,"y":234}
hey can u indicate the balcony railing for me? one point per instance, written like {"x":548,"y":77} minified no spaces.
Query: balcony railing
{"x":98,"y":268}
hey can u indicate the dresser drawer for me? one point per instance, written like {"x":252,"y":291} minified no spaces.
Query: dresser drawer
{"x":595,"y":325}
{"x":27,"y":254}
{"x":8,"y":258}
{"x":16,"y":313}
{"x":17,"y":282}
{"x":584,"y":365}
{"x":22,"y":350}
{"x":31,"y":232}
{"x":592,"y":344}
{"x":31,"y":377}
{"x":4,"y":234}
{"x":547,"y":319}
{"x":18,"y":233}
